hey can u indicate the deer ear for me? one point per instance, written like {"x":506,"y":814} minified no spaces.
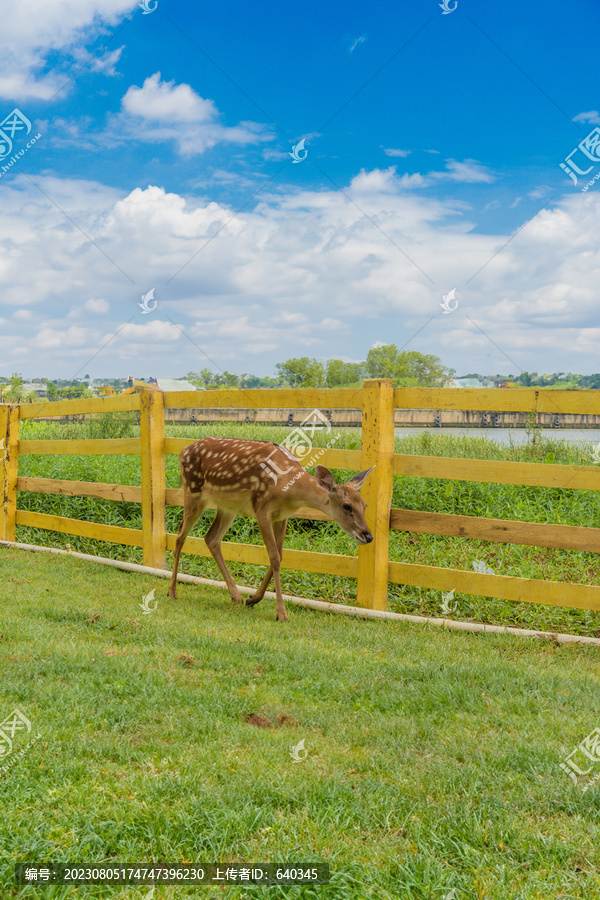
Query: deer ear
{"x":358,"y":480}
{"x":325,"y":479}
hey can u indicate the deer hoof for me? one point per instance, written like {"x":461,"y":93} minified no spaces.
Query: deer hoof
{"x":250,"y":601}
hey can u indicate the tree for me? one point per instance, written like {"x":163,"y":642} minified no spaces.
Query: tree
{"x":302,"y":372}
{"x":15,"y":393}
{"x":338,"y":372}
{"x":52,"y":390}
{"x":419,"y":369}
{"x":382,"y":361}
{"x":254,"y":381}
{"x":527,"y":379}
{"x":408,"y":368}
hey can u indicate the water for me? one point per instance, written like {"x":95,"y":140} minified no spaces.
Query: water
{"x":512,"y":435}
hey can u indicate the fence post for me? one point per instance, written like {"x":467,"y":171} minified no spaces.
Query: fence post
{"x":9,"y":469}
{"x":377,"y":450}
{"x":152,"y":435}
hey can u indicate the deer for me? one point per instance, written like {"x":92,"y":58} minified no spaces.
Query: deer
{"x":266,"y":481}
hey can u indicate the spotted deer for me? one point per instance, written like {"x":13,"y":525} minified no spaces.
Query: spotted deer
{"x":265,"y":481}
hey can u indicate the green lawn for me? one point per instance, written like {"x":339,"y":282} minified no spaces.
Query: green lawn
{"x":433,"y":757}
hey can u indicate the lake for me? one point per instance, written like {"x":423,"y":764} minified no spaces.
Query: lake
{"x":511,"y":435}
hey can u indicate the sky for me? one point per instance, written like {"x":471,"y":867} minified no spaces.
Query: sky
{"x":149,"y":152}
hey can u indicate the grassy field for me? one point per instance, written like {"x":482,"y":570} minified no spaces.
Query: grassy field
{"x":525,"y":504}
{"x":432,"y":757}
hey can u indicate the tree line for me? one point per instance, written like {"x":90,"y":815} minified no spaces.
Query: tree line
{"x":407,"y":368}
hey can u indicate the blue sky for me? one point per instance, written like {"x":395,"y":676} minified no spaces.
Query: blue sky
{"x":433,"y":148}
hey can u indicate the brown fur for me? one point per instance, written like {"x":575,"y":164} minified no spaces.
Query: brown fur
{"x":262,"y":480}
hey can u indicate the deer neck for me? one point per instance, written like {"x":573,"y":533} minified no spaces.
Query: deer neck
{"x":306,"y":492}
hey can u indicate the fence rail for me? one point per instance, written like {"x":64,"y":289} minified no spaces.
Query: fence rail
{"x":372,"y":567}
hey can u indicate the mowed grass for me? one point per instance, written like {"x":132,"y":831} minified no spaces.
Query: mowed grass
{"x":513,"y":502}
{"x":433,"y":757}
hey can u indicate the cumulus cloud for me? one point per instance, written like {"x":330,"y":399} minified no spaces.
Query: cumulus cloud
{"x":166,"y":102}
{"x":34,"y":30}
{"x":156,"y":112}
{"x":303,"y":273}
{"x":469,"y":171}
{"x":166,"y":111}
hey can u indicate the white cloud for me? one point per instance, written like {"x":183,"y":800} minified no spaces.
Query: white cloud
{"x":389,"y":151}
{"x":166,"y":102}
{"x":159,"y":111}
{"x":304,"y":273}
{"x":165,"y":111}
{"x":97,"y":306}
{"x":388,"y":181}
{"x":105,"y":63}
{"x":468,"y":171}
{"x":33,"y":30}
{"x":377,"y":181}
{"x":593,"y":117}
{"x":355,"y":44}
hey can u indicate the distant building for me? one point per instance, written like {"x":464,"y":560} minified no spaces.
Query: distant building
{"x":469,"y":383}
{"x":39,"y":388}
{"x":176,"y":384}
{"x":162,"y":384}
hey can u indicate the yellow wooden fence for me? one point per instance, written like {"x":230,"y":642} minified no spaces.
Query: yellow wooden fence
{"x":372,"y":567}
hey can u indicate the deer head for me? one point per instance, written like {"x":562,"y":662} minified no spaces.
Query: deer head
{"x":346,"y":506}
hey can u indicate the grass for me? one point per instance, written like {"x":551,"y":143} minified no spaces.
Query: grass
{"x":433,"y":757}
{"x":527,"y":504}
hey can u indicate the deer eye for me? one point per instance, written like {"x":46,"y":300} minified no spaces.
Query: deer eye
{"x":347,"y":507}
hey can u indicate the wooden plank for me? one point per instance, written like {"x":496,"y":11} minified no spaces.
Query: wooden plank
{"x":6,"y":532}
{"x":583,"y":403}
{"x":81,"y":406}
{"x":95,"y":530}
{"x":378,"y":451}
{"x":505,"y":531}
{"x":343,"y":459}
{"x":99,"y":447}
{"x":152,"y":438}
{"x":122,"y":492}
{"x":9,"y":469}
{"x":256,"y":554}
{"x":503,"y":587}
{"x":266,"y":398}
{"x":499,"y":471}
{"x":125,"y":492}
{"x":500,"y":400}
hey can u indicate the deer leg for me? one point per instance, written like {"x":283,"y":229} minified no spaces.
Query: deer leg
{"x":220,"y":524}
{"x":193,"y":506}
{"x":268,"y":536}
{"x":279,"y":532}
